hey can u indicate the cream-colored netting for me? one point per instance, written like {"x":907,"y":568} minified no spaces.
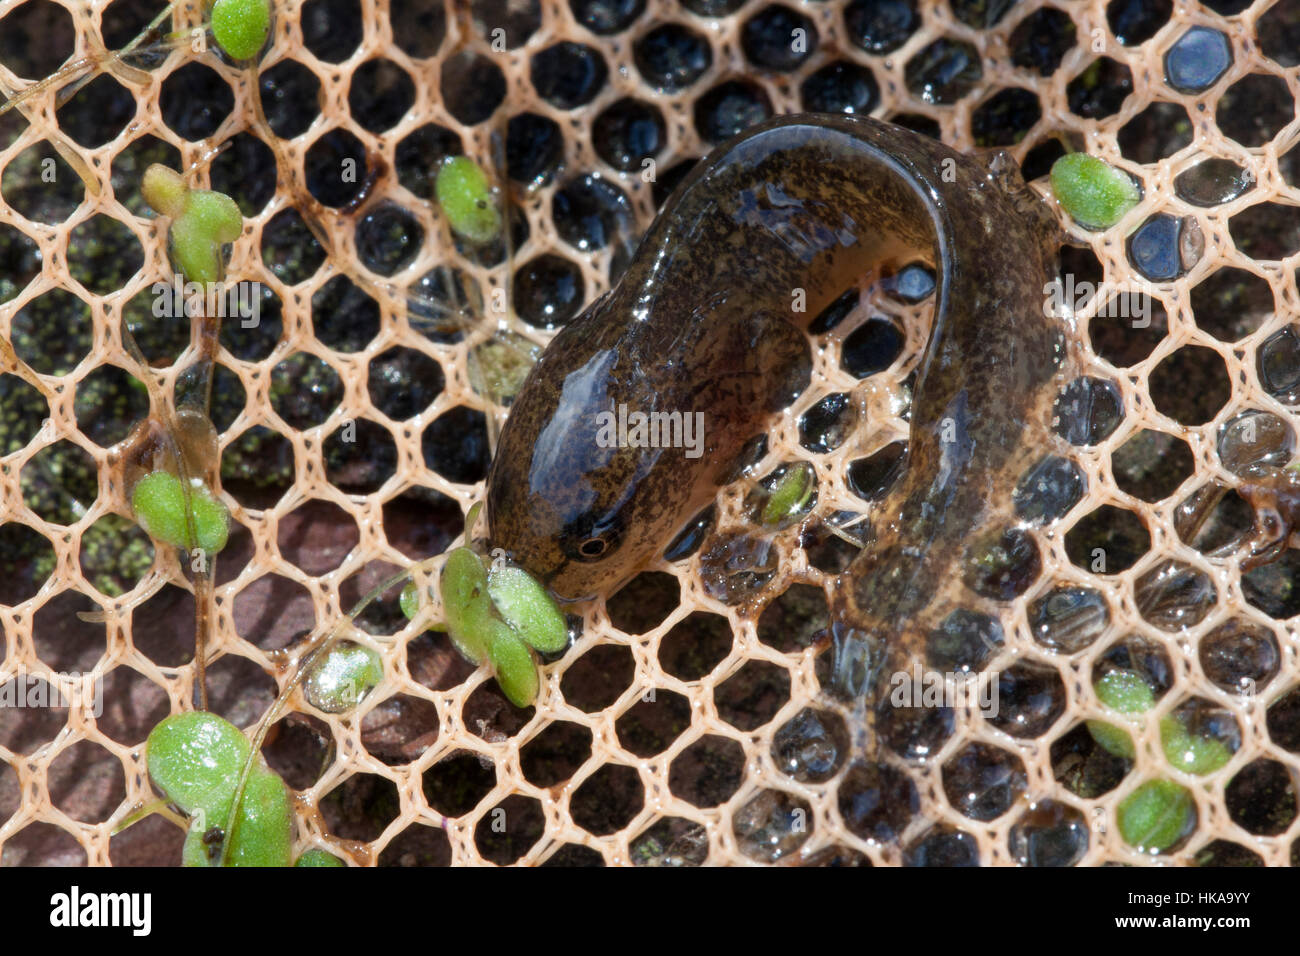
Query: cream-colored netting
{"x":653,"y":737}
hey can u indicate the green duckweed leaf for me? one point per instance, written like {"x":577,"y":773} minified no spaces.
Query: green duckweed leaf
{"x":466,"y":199}
{"x":1094,"y":194}
{"x":515,"y":668}
{"x":1192,"y":753}
{"x":342,"y":676}
{"x":241,"y":26}
{"x":195,"y":760}
{"x":528,"y":608}
{"x":790,"y":494}
{"x":159,"y":500}
{"x":1125,"y":691}
{"x":318,"y":857}
{"x":1115,"y":740}
{"x":164,"y":190}
{"x":1155,"y":815}
{"x":467,"y":604}
{"x":263,"y":834}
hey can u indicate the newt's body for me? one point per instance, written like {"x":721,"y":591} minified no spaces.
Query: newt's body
{"x":703,"y":321}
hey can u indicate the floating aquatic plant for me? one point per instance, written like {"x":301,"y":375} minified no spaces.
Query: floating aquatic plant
{"x":1155,"y":815}
{"x":201,"y":221}
{"x":340,"y":677}
{"x":501,"y":615}
{"x":196,"y":759}
{"x":168,"y":511}
{"x":1095,"y":194}
{"x":241,"y":26}
{"x":466,"y":199}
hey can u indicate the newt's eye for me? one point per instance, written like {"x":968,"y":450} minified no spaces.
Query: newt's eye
{"x":593,"y":547}
{"x":590,"y":539}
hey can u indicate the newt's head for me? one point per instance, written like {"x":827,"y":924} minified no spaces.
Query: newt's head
{"x":562,"y":501}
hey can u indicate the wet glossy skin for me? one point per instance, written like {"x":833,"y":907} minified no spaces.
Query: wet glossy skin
{"x":704,"y":320}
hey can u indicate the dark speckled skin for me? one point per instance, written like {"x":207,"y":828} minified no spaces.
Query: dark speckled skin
{"x":703,"y":321}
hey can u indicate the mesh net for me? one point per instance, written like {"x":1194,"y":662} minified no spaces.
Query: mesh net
{"x":677,"y":730}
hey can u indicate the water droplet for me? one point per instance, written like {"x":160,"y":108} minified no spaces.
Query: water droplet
{"x":1255,"y":438}
{"x":870,"y":478}
{"x":1049,"y":490}
{"x":965,"y":641}
{"x":1154,"y":248}
{"x":982,"y":782}
{"x":1213,"y":182}
{"x":1068,"y":619}
{"x":1031,"y":696}
{"x":826,"y":425}
{"x":944,"y":847}
{"x":1174,"y":596}
{"x":1197,"y":59}
{"x":1240,"y":656}
{"x":1088,"y":410}
{"x":944,"y":71}
{"x":690,"y":538}
{"x":1002,"y":565}
{"x":738,"y":567}
{"x":1049,"y":834}
{"x":915,"y":733}
{"x":772,"y":826}
{"x":342,"y":676}
{"x":811,"y":746}
{"x":877,"y":801}
{"x":1278,"y":362}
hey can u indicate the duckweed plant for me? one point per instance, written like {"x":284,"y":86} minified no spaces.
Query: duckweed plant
{"x":339,"y":679}
{"x":791,"y":494}
{"x":467,"y":201}
{"x":1093,"y":193}
{"x":201,"y":222}
{"x":316,"y":857}
{"x":182,"y":517}
{"x":500,"y":615}
{"x":1156,"y":815}
{"x":195,"y":759}
{"x":241,"y":26}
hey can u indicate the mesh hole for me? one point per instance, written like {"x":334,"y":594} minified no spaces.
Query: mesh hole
{"x":707,"y":772}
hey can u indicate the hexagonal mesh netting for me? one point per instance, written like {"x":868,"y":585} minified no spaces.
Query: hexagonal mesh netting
{"x":354,"y":436}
